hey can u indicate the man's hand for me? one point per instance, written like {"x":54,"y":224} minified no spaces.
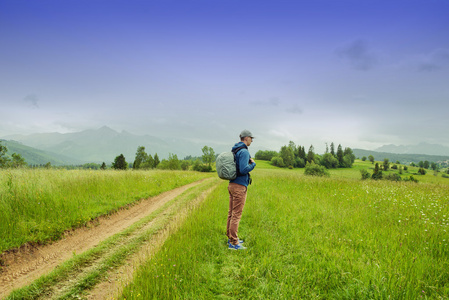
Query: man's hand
{"x":251,"y":160}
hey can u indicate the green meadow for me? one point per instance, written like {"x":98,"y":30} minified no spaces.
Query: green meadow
{"x":336,"y":237}
{"x":38,"y":205}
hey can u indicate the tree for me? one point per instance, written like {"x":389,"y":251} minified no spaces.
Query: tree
{"x":149,"y":163}
{"x":103,"y":166}
{"x":172,"y":163}
{"x":332,"y":149}
{"x":426,"y":164}
{"x":348,"y":157}
{"x":371,"y":159}
{"x":302,"y":152}
{"x":364,"y":158}
{"x":156,"y":161}
{"x":386,"y":164}
{"x":433,"y":166}
{"x":17,"y":161}
{"x":208,"y":155}
{"x":265,"y":155}
{"x":310,"y":154}
{"x":340,"y":156}
{"x":287,"y":155}
{"x":120,"y":163}
{"x":3,"y":158}
{"x":329,"y":161}
{"x":141,"y":157}
{"x":377,"y":174}
{"x":292,"y":145}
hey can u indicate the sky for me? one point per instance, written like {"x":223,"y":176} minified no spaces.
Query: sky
{"x":360,"y":73}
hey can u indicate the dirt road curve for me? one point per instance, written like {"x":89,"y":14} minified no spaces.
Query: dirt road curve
{"x":27,"y":264}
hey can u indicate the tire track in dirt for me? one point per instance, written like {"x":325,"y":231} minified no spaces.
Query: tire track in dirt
{"x":117,"y":279}
{"x":27,"y":264}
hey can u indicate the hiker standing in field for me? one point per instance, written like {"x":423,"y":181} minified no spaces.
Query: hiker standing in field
{"x":238,"y":187}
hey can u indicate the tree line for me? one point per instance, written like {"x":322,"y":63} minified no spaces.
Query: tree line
{"x":292,"y":156}
{"x":145,"y":161}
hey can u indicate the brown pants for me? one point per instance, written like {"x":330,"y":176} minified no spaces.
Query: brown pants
{"x":237,"y":199}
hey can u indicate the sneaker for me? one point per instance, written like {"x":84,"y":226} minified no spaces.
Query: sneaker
{"x":236,"y":247}
{"x":240,"y":241}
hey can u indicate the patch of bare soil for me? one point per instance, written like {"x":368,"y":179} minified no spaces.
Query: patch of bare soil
{"x":26,"y":264}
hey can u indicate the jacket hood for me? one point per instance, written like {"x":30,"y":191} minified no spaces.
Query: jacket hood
{"x":239,"y":144}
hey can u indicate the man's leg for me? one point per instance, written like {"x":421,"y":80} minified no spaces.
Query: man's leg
{"x":228,"y":224}
{"x":237,"y":201}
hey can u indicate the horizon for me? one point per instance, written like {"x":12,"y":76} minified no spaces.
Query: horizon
{"x":362,"y":75}
{"x":256,"y":148}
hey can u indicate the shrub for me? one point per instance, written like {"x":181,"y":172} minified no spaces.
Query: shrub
{"x":199,"y":167}
{"x":277,"y":162}
{"x":393,"y":177}
{"x":394,"y":167}
{"x":185,"y":165}
{"x":365,"y":174}
{"x":444,"y":175}
{"x":421,"y":171}
{"x":411,"y":178}
{"x":329,"y":161}
{"x":313,"y":169}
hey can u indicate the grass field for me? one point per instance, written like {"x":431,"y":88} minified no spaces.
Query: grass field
{"x":307,"y":238}
{"x":38,"y":205}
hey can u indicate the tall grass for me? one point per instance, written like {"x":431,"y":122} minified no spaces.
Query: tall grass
{"x":307,"y":237}
{"x":39,"y":205}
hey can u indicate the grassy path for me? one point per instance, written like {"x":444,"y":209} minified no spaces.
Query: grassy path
{"x":83,"y":271}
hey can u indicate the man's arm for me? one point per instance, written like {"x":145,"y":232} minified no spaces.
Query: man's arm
{"x":246,"y":164}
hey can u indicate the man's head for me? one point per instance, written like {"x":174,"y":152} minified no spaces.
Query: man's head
{"x":246,"y":137}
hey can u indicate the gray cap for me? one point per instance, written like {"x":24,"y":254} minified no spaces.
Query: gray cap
{"x":246,"y":133}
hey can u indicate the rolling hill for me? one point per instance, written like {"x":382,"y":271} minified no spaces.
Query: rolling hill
{"x":101,"y":145}
{"x":35,"y":156}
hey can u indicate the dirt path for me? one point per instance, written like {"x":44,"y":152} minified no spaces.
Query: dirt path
{"x":26,"y":265}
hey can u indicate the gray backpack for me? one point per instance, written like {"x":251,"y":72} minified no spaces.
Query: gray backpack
{"x":226,"y":164}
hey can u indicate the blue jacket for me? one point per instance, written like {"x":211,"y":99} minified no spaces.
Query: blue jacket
{"x":242,"y":159}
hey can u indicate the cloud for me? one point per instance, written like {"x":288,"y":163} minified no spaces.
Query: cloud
{"x":358,"y":55}
{"x":434,"y":61}
{"x":295,"y":109}
{"x":31,"y":100}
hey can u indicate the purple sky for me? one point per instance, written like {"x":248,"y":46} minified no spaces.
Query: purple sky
{"x":357,"y":73}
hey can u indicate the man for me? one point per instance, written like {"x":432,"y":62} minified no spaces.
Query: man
{"x":237,"y":189}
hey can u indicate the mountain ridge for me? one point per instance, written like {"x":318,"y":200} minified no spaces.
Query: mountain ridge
{"x":421,"y":148}
{"x":102,"y":144}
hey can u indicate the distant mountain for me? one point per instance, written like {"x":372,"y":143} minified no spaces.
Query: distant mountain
{"x":104,"y":144}
{"x":34,"y":156}
{"x":402,"y":158}
{"x":421,"y":148}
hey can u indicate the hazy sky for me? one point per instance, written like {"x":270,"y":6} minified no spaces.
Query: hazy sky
{"x":360,"y":73}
